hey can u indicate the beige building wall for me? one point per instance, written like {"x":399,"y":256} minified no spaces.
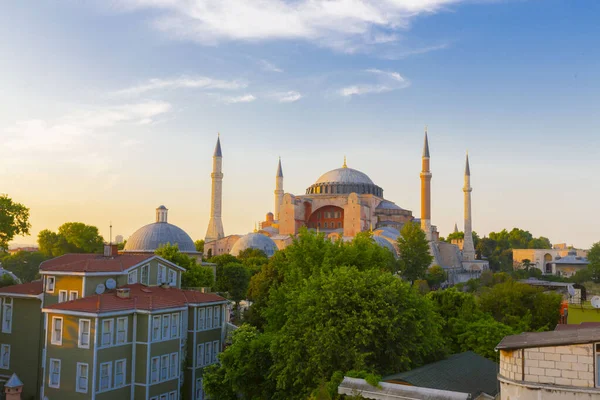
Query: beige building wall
{"x":554,"y":372}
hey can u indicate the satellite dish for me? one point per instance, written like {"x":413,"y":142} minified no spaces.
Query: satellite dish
{"x":596,"y":301}
{"x":101,"y":288}
{"x":111,"y":284}
{"x":571,"y":290}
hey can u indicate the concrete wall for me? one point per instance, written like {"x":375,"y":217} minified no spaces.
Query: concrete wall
{"x":565,"y":372}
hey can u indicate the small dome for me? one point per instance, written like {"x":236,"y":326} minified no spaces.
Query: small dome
{"x":7,"y":272}
{"x":382,"y":242}
{"x":150,"y":237}
{"x":254,"y":241}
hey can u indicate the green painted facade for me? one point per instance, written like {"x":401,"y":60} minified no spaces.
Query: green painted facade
{"x":25,"y":341}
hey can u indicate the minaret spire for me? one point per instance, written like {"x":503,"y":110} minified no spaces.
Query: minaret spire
{"x":278,"y":190}
{"x":426,"y":190}
{"x":344,"y":166}
{"x":215,"y":225}
{"x":455,"y":227}
{"x":468,"y":247}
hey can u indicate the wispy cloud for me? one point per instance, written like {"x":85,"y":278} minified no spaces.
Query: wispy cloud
{"x":269,"y":67}
{"x":397,"y":54}
{"x":339,"y":24}
{"x":246,"y":98}
{"x":201,"y":82}
{"x":386,"y":82}
{"x":287,"y":97}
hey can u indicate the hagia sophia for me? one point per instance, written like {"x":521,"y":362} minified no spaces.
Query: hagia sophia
{"x":341,"y":203}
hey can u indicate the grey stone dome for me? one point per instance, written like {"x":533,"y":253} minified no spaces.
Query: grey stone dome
{"x":344,"y":181}
{"x":150,"y":237}
{"x":254,"y":241}
{"x":388,"y":232}
{"x":382,"y":242}
{"x":345,"y":175}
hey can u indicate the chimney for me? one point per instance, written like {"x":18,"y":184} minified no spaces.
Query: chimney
{"x":124,"y":293}
{"x":13,"y":388}
{"x":111,"y":250}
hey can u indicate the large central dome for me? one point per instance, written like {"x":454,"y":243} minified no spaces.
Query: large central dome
{"x":344,"y":181}
{"x":344,"y":175}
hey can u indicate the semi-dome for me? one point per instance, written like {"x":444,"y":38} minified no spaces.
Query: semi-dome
{"x":254,"y":240}
{"x":382,"y":242}
{"x":150,"y":237}
{"x":388,"y":232}
{"x":343,"y":181}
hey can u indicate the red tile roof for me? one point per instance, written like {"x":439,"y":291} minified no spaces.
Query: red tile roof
{"x":93,"y":262}
{"x":34,"y":288}
{"x":141,"y":298}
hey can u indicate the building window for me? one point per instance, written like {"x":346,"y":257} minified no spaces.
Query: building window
{"x":325,"y":225}
{"x":156,"y":328}
{"x":5,"y":356}
{"x":166,"y":325}
{"x":172,"y":278}
{"x":121,"y":330}
{"x":82,"y":378}
{"x":217,"y":316}
{"x":62,"y":296}
{"x":57,"y":329}
{"x":207,"y":354}
{"x":120,"y":373}
{"x":163,"y":397}
{"x":339,"y":224}
{"x":154,"y":370}
{"x":174,"y":325}
{"x":172,"y":395}
{"x":73,"y":295}
{"x":215,"y":351}
{"x":84,"y":333}
{"x":209,"y":318}
{"x":107,"y":331}
{"x":54,"y":378}
{"x":164,"y":367}
{"x":201,"y":312}
{"x":199,"y":390}
{"x":132,"y":277}
{"x":200,"y":355}
{"x":145,"y":274}
{"x":173,"y":370}
{"x":50,"y":281}
{"x":161,"y":274}
{"x":7,"y":312}
{"x":105,"y":375}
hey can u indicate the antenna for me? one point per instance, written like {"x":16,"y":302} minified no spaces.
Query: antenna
{"x":110,"y":239}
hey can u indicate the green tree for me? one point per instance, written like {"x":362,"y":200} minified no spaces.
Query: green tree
{"x":195,"y":275}
{"x":121,"y":246}
{"x":243,"y":368}
{"x":14,"y":220}
{"x":435,"y":276}
{"x":72,"y":237}
{"x":199,"y":245}
{"x":234,"y":279}
{"x":7,"y":280}
{"x":594,"y":261}
{"x":332,"y":327}
{"x":482,"y":336}
{"x":414,"y":252}
{"x":25,"y":265}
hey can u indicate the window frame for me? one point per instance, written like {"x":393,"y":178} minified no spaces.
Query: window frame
{"x":123,"y":362}
{"x":217,"y":317}
{"x":152,"y":362}
{"x":164,"y":366}
{"x":78,"y":388}
{"x":2,"y":365}
{"x":200,"y":355}
{"x":172,"y":277}
{"x":147,"y":269}
{"x":48,"y":280}
{"x":208,"y":322}
{"x":50,"y":372}
{"x":134,"y":274}
{"x":216,"y":351}
{"x":117,"y":341}
{"x":7,"y":304}
{"x":109,"y":376}
{"x":60,"y":296}
{"x":207,"y":353}
{"x":111,"y":332}
{"x":199,"y":395}
{"x":164,"y":396}
{"x":174,"y":325}
{"x":201,"y":319}
{"x":173,"y":395}
{"x":80,"y":343}
{"x":154,"y":325}
{"x":173,"y":367}
{"x":166,"y":327}
{"x":53,"y":340}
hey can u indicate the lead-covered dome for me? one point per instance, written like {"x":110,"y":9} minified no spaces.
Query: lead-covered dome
{"x":254,"y":241}
{"x":150,"y":237}
{"x":343,"y":181}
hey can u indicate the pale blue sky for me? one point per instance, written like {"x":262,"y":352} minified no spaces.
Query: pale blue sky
{"x":111,"y":108}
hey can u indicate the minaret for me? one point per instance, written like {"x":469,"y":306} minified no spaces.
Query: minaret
{"x":215,"y":225}
{"x":455,"y":227}
{"x":278,"y":189}
{"x":468,"y":247}
{"x":426,"y":190}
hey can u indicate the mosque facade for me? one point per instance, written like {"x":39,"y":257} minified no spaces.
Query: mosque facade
{"x":341,"y":203}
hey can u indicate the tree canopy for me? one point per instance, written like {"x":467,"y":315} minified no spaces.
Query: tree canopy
{"x":415,"y":257}
{"x":195,"y":276}
{"x":497,"y":247}
{"x":14,"y":220}
{"x":24,"y":264}
{"x":72,"y":237}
